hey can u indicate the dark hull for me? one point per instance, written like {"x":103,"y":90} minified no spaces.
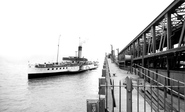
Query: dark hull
{"x":40,"y":75}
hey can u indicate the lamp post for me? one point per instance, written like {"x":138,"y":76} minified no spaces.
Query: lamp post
{"x":112,"y":53}
{"x":117,"y":55}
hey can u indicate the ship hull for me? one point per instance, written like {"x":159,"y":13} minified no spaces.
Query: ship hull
{"x":41,"y":75}
{"x":47,"y":71}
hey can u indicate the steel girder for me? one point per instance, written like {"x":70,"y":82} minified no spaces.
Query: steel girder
{"x":163,"y":37}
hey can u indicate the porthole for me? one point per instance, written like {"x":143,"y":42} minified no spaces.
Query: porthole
{"x":48,"y":69}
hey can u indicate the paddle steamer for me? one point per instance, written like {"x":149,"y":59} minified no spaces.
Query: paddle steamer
{"x":69,"y":65}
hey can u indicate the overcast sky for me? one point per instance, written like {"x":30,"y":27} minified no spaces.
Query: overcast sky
{"x":31,"y":28}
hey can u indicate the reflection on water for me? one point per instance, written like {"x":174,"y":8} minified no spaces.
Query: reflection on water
{"x":65,"y":93}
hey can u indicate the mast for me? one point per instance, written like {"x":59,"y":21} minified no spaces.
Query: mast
{"x":58,"y":47}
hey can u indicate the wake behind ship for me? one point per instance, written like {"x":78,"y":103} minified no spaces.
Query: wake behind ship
{"x":70,"y":65}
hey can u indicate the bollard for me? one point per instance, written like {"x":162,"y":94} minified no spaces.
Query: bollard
{"x":92,"y":105}
{"x":104,"y":71}
{"x":102,"y":92}
{"x":102,"y":105}
{"x":101,"y":86}
{"x":129,"y":89}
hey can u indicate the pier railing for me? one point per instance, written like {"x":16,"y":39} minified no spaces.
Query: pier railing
{"x":173,"y":98}
{"x":150,"y":92}
{"x":145,"y":93}
{"x":155,"y":78}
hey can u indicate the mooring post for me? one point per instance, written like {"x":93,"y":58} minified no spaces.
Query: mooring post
{"x":129,"y":94}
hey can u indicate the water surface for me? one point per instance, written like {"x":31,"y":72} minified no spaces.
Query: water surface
{"x":64,"y":93}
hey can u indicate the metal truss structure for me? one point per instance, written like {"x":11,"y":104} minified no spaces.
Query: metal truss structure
{"x":161,"y":45}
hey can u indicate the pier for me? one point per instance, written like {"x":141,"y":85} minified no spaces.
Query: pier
{"x":149,"y":73}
